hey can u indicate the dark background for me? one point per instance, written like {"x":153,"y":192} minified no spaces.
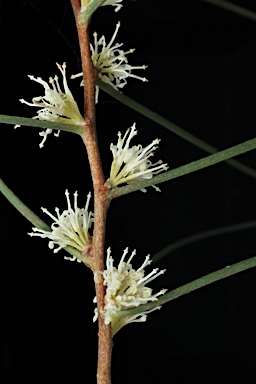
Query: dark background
{"x":201,"y":70}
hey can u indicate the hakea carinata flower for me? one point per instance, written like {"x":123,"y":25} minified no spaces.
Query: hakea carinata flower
{"x":126,"y":288}
{"x":114,"y":3}
{"x":132,"y":163}
{"x":57,"y":105}
{"x":71,"y":227}
{"x":111,"y":62}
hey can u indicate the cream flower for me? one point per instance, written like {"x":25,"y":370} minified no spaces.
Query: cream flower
{"x":131,"y":164}
{"x":111,"y":62}
{"x":69,"y":228}
{"x":56,"y":105}
{"x":126,"y":288}
{"x":115,"y":3}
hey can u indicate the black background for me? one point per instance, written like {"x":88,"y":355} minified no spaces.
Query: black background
{"x":201,"y":70}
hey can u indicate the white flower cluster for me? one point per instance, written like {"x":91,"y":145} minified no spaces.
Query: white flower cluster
{"x":126,"y":288}
{"x":130,"y":164}
{"x":111,"y":62}
{"x":69,"y":228}
{"x":114,"y":3}
{"x":56,"y":105}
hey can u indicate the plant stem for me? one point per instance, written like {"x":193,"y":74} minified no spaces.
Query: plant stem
{"x":100,"y":202}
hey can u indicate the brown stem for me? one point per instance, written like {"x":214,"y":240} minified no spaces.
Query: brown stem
{"x":76,"y":5}
{"x":100,"y":202}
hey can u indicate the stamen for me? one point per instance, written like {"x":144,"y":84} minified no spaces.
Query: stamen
{"x":111,"y":62}
{"x":56,"y":105}
{"x":132,"y":163}
{"x":126,"y":289}
{"x":69,"y":228}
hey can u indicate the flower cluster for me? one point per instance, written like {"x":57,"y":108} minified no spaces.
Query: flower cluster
{"x":111,"y":62}
{"x":56,"y":105}
{"x":130,"y":164}
{"x":69,"y":228}
{"x":114,"y":3}
{"x":126,"y":288}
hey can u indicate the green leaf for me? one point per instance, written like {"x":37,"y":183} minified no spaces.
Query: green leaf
{"x":185,"y":169}
{"x":88,"y":10}
{"x":192,"y":286}
{"x":233,"y":8}
{"x":41,"y":124}
{"x":201,"y":236}
{"x":170,"y":126}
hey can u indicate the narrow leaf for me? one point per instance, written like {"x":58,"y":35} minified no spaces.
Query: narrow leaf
{"x":193,"y":286}
{"x":185,"y":169}
{"x":233,"y":8}
{"x":5,"y":119}
{"x":201,"y":236}
{"x":171,"y":126}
